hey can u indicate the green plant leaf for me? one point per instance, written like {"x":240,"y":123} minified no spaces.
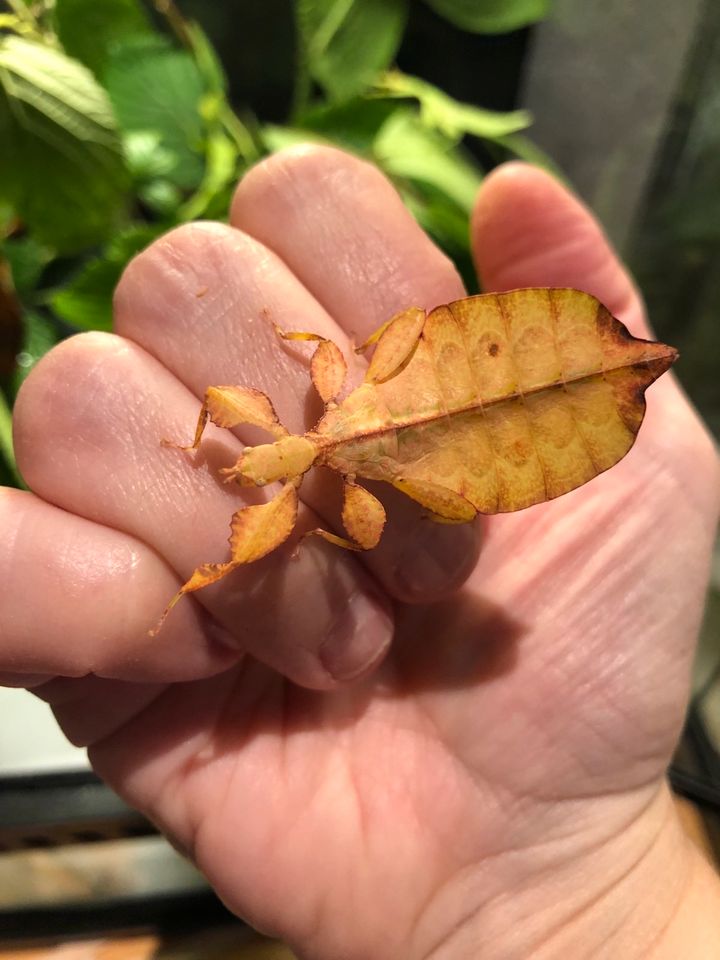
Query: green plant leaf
{"x":89,"y":30}
{"x":522,"y":148}
{"x":353,"y":124}
{"x":40,"y":334}
{"x":6,"y":442}
{"x":491,"y":16}
{"x":206,"y":58}
{"x":155,"y":89}
{"x":146,"y":156}
{"x":221,"y":167}
{"x":277,"y":137}
{"x":446,"y":223}
{"x":449,"y":116}
{"x":162,"y":197}
{"x":27,"y":259}
{"x":86,"y":302}
{"x":345,"y":44}
{"x":7,"y":218}
{"x":405,"y":147}
{"x":61,"y":163}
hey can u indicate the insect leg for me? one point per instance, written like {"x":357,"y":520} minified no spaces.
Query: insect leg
{"x":444,"y":504}
{"x":395,"y":341}
{"x":326,"y":535}
{"x":255,"y":531}
{"x":328,"y":367}
{"x":231,"y":406}
{"x":202,"y":577}
{"x":363,"y":517}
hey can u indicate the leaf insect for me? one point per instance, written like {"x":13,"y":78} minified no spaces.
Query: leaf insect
{"x":488,"y":404}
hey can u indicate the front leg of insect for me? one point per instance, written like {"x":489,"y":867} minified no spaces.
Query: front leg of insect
{"x":230,"y":407}
{"x":255,"y":530}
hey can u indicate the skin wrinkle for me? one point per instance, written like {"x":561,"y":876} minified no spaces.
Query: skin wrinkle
{"x":610,"y":888}
{"x":348,"y":183}
{"x":572,"y":245}
{"x":495,"y":902}
{"x":594,"y":692}
{"x":476,"y":779}
{"x":703,"y":453}
{"x":464,"y":868}
{"x":564,"y":683}
{"x":168,"y":787}
{"x":183,"y":261}
{"x":154,"y":492}
{"x":594,"y":572}
{"x":672,"y":918}
{"x":317,"y":921}
{"x":82,"y":571}
{"x":83,"y":738}
{"x":270,"y":354}
{"x":212,"y":738}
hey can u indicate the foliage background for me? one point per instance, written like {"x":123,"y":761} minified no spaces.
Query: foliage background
{"x":118,"y":122}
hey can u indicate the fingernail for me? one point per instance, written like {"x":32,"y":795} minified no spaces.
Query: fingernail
{"x":437,"y":558}
{"x":358,"y":639}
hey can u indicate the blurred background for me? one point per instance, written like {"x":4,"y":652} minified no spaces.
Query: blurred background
{"x":122,"y":118}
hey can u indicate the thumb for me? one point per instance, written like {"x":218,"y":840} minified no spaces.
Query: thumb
{"x":528,"y":230}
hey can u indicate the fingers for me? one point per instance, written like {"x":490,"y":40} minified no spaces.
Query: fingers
{"x":77,"y":598}
{"x":89,"y":420}
{"x":343,"y":230}
{"x":529,"y":231}
{"x":92,"y":708}
{"x":201,"y":300}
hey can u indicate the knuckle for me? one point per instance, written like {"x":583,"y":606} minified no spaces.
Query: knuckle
{"x":170,"y":279}
{"x":297,"y":169}
{"x":173,"y":254}
{"x":48,"y":403}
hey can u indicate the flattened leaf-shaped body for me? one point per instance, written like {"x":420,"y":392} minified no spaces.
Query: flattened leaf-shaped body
{"x":508,"y":400}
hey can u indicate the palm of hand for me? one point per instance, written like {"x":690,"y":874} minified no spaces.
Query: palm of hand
{"x":553,"y":683}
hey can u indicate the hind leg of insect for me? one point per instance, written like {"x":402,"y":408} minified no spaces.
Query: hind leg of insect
{"x":327,"y":369}
{"x":396,"y":339}
{"x":363,"y":517}
{"x":230,"y":407}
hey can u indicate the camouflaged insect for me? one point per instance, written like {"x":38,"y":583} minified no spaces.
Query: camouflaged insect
{"x":484,"y":405}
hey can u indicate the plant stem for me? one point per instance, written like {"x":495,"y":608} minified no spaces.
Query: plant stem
{"x":176,"y":21}
{"x":6,"y":443}
{"x":240,"y":134}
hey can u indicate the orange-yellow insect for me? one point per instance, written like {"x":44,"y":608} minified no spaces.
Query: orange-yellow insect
{"x":485,"y":405}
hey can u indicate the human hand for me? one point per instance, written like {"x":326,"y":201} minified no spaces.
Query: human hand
{"x":496,"y":787}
